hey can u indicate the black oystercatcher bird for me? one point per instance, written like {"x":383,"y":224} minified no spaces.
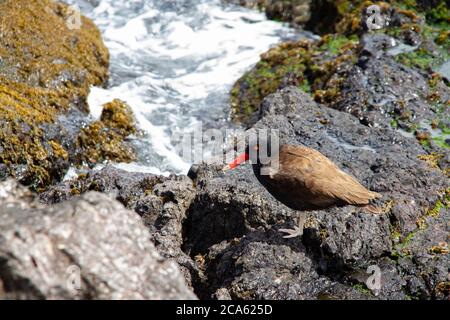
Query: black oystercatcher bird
{"x":305,"y":180}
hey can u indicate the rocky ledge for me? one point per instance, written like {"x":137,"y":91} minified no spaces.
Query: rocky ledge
{"x":222,"y":228}
{"x":215,"y":235}
{"x":89,"y":248}
{"x":46,"y":69}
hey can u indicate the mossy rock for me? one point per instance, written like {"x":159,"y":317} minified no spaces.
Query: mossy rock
{"x":46,"y":70}
{"x":312,"y":66}
{"x":103,"y":140}
{"x":305,"y":64}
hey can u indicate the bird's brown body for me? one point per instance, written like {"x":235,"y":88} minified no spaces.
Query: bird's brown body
{"x":307,"y":180}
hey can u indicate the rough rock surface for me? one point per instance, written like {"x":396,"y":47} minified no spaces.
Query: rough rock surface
{"x":43,"y":249}
{"x":387,"y":82}
{"x":222,"y":228}
{"x":381,"y":91}
{"x":161,"y":202}
{"x":46,"y":69}
{"x":390,"y":77}
{"x":338,"y":244}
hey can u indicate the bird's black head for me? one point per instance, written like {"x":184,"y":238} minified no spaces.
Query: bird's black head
{"x":259,"y":149}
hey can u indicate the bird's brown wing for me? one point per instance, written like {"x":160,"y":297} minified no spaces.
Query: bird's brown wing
{"x":322,"y":177}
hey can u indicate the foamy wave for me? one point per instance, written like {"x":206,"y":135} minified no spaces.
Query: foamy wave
{"x":174,"y":62}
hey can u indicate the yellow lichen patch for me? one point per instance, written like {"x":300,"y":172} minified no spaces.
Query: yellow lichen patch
{"x":201,"y":262}
{"x":104,"y":139}
{"x":117,"y":114}
{"x":443,"y":37}
{"x":410,"y":14}
{"x":387,"y":206}
{"x":441,"y":248}
{"x":444,"y":287}
{"x":431,"y":159}
{"x":58,"y":150}
{"x":434,"y":212}
{"x":37,"y":41}
{"x":323,"y":234}
{"x":46,"y":67}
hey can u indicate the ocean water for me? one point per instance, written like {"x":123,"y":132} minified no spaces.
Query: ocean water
{"x":174,"y":62}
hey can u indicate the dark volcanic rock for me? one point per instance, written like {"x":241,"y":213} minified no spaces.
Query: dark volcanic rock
{"x":231,"y":213}
{"x":222,"y":228}
{"x":91,"y":241}
{"x":379,"y":90}
{"x":227,"y":207}
{"x":263,"y":265}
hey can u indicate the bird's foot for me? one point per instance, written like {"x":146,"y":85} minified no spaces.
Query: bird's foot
{"x":292,"y":233}
{"x":298,"y":229}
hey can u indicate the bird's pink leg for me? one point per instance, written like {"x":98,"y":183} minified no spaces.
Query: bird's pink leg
{"x":298,"y":229}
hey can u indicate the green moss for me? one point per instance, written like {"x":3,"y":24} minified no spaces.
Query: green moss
{"x":335,"y":44}
{"x":434,"y":212}
{"x":441,"y":141}
{"x":394,"y":123}
{"x":265,"y":78}
{"x":396,"y":235}
{"x":420,"y":58}
{"x":401,"y":249}
{"x":439,"y":206}
{"x":305,"y":86}
{"x":306,"y":64}
{"x":439,"y":14}
{"x":362,"y":288}
{"x":311,"y":65}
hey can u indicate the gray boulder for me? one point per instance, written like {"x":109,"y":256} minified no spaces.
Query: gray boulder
{"x":87,"y":248}
{"x":161,"y":202}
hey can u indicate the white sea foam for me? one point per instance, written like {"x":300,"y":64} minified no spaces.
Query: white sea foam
{"x":174,"y":62}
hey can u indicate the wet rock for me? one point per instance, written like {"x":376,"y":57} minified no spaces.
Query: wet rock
{"x":89,"y":247}
{"x":104,"y":139}
{"x":305,"y":64}
{"x":45,"y":78}
{"x":367,"y":79}
{"x":161,"y":202}
{"x":390,"y":77}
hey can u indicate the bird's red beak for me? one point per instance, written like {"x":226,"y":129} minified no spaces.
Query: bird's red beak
{"x":236,"y":162}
